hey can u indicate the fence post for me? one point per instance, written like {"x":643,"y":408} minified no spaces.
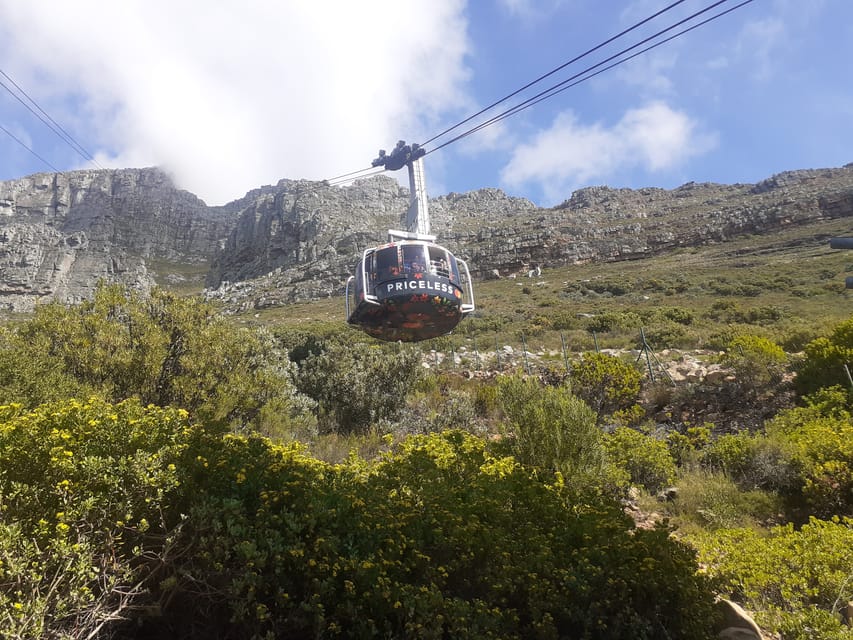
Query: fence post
{"x":565,"y":352}
{"x":524,"y":350}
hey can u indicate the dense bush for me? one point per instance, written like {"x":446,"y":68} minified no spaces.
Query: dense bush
{"x":613,"y":320}
{"x":794,"y":580}
{"x":754,"y":461}
{"x":605,"y":382}
{"x":819,"y":442}
{"x":84,"y":488}
{"x":646,"y":459}
{"x":711,"y":500}
{"x":161,"y":348}
{"x":759,"y":363}
{"x":358,"y":385}
{"x":125,"y":512}
{"x":550,"y":429}
{"x":825,"y":359}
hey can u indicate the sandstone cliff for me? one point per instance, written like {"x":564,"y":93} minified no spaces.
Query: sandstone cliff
{"x":301,"y":242}
{"x":62,"y":233}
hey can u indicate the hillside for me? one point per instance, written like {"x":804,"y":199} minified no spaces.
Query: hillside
{"x":62,"y":233}
{"x":175,"y":467}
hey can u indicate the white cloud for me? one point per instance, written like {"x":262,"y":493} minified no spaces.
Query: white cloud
{"x":230,"y":95}
{"x":759,"y":40}
{"x":653,"y":138}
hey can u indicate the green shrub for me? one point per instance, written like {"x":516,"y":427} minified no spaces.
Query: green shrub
{"x":564,"y":320}
{"x":186,"y":533}
{"x":825,"y":358}
{"x":664,"y":334}
{"x":605,"y":382}
{"x":679,"y":315}
{"x":787,"y":576}
{"x":83,"y":487}
{"x":162,"y":349}
{"x":358,"y":385}
{"x":486,"y":400}
{"x":646,"y":459}
{"x":819,"y":439}
{"x":613,"y":320}
{"x":685,"y":448}
{"x":758,"y":362}
{"x":710,"y":500}
{"x":550,"y":429}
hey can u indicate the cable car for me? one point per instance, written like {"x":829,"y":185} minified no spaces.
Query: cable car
{"x":410,"y":288}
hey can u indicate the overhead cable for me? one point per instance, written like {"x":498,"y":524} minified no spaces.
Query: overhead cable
{"x":553,"y":71}
{"x":24,"y":145}
{"x":352,"y":175}
{"x":557,"y":88}
{"x":553,"y":91}
{"x":45,"y":118}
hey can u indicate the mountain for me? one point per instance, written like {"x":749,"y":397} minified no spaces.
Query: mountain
{"x":61,"y":233}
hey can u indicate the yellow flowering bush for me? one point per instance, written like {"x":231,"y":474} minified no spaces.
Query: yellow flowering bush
{"x":128,"y":512}
{"x":794,"y":579}
{"x":83,"y":486}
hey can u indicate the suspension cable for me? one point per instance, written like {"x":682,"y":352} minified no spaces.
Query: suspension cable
{"x":553,"y":71}
{"x":45,"y":118}
{"x":586,"y":74}
{"x":24,"y":145}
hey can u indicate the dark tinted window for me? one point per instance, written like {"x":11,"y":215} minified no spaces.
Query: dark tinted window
{"x":454,"y":269}
{"x":413,"y":258}
{"x":438,"y":262}
{"x":387,"y":264}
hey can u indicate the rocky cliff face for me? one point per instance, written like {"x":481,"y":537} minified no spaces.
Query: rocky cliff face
{"x":62,"y":233}
{"x":302,"y":241}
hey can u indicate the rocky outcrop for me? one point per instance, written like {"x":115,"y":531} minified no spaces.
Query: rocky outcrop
{"x":62,"y":233}
{"x":297,"y":240}
{"x":301,"y":242}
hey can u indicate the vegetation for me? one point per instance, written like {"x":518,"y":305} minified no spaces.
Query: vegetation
{"x":169,"y":472}
{"x":123,"y":508}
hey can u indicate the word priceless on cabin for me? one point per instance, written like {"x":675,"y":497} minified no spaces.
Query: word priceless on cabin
{"x":425,"y":285}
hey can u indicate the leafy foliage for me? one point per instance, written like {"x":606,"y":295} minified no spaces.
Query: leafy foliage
{"x":825,"y":358}
{"x":758,"y":362}
{"x":551,"y":429}
{"x":83,"y":487}
{"x":231,"y":536}
{"x":358,"y":385}
{"x":605,"y":382}
{"x":793,"y":578}
{"x":162,"y":349}
{"x":710,"y":500}
{"x":646,"y":459}
{"x":819,"y":439}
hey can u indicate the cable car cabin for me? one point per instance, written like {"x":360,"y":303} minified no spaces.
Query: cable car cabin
{"x":408,"y":290}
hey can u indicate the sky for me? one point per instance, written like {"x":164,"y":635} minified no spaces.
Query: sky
{"x":231,"y":95}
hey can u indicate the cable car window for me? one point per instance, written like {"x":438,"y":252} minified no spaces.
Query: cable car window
{"x":359,"y":281}
{"x":370,"y":270}
{"x":413,"y":258}
{"x":387,"y":263}
{"x":438,"y":262}
{"x":454,"y":269}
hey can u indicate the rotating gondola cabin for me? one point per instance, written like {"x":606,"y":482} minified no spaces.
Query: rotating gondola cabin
{"x":411,"y":288}
{"x":408,"y":290}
